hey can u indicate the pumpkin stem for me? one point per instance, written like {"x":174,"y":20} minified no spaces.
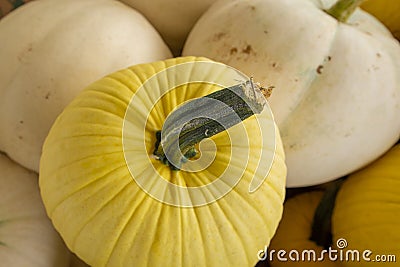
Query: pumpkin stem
{"x":204,"y":117}
{"x":321,"y":231}
{"x":343,"y":9}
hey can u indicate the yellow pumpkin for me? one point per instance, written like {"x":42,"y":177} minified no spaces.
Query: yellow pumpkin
{"x":367,"y":211}
{"x":387,"y":11}
{"x":107,"y":195}
{"x":27,"y":237}
{"x":294,"y":233}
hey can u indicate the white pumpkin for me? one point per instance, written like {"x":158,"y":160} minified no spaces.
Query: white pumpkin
{"x":337,"y":85}
{"x":173,"y":18}
{"x":27,"y":237}
{"x":50,"y":50}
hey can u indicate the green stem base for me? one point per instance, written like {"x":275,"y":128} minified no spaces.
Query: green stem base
{"x":343,"y":9}
{"x":321,"y":231}
{"x":205,"y":117}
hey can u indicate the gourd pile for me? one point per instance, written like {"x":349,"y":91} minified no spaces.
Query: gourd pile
{"x":87,"y":89}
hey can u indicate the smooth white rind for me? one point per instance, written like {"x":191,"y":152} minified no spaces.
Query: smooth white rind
{"x":27,"y":237}
{"x":337,"y":86}
{"x":54,"y":49}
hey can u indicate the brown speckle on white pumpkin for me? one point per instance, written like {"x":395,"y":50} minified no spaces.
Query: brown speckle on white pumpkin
{"x":218,"y":36}
{"x":233,"y":51}
{"x":248,"y":50}
{"x":24,"y":52}
{"x":319,"y":69}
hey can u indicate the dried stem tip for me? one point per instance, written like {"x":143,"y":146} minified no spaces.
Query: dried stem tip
{"x":206,"y":116}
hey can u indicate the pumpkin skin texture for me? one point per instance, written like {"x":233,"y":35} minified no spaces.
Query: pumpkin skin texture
{"x":104,"y":216}
{"x":27,"y":237}
{"x":367,"y":209}
{"x":336,"y":84}
{"x":294,"y":231}
{"x":68,"y":45}
{"x":175,"y":19}
{"x":387,"y":11}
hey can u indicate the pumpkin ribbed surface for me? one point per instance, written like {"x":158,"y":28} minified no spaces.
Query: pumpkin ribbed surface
{"x":103,"y":215}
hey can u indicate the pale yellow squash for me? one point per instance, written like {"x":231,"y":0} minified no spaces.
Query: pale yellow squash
{"x":92,"y":168}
